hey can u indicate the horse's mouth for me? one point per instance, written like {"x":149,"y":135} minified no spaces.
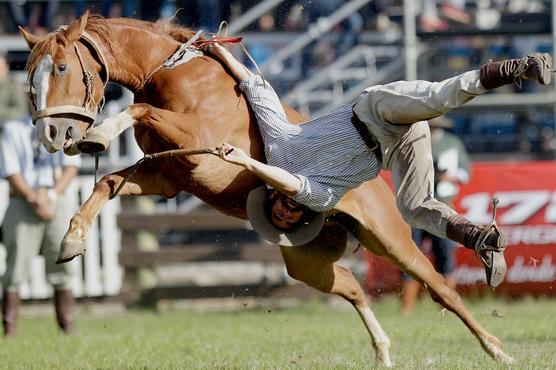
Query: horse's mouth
{"x":68,"y":141}
{"x":68,"y":145}
{"x":60,"y":133}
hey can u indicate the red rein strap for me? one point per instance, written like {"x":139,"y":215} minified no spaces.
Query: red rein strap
{"x":221,"y":40}
{"x":227,"y":40}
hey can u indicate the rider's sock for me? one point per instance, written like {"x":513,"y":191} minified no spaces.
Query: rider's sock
{"x":535,"y":66}
{"x":463,"y":231}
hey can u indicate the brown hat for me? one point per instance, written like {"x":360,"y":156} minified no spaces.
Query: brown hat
{"x":441,"y":122}
{"x":301,"y":234}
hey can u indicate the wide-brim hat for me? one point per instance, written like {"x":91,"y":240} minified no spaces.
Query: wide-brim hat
{"x":301,"y":234}
{"x":441,"y":122}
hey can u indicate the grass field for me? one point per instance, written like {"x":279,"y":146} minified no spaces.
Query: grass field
{"x":313,"y":335}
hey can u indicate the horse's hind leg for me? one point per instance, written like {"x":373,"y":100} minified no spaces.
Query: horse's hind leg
{"x":384,"y":232}
{"x":407,"y":257}
{"x":146,"y":181}
{"x":422,"y":270}
{"x":314,"y":265}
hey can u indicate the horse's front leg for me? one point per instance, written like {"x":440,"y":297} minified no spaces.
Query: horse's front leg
{"x":146,"y":181}
{"x":171,"y":127}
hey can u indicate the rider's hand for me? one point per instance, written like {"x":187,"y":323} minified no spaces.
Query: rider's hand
{"x":216,"y":49}
{"x":233,"y":155}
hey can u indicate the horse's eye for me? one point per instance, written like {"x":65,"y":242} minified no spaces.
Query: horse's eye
{"x":61,"y":68}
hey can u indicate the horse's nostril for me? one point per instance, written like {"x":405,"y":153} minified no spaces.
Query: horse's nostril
{"x":52,"y":132}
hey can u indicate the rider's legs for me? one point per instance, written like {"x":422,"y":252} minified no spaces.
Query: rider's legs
{"x":393,"y":111}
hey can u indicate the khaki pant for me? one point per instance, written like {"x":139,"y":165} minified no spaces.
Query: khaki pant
{"x":26,"y":235}
{"x":395,"y":114}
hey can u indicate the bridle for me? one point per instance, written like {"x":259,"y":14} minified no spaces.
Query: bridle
{"x":89,"y":109}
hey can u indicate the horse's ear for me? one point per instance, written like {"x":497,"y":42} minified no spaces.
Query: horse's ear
{"x":76,"y":28}
{"x":29,"y":37}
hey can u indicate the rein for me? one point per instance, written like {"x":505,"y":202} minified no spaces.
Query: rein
{"x":88,"y":110}
{"x":167,"y":153}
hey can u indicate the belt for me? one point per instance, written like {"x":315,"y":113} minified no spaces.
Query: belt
{"x":371,"y":142}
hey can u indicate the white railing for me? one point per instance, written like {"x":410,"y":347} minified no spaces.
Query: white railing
{"x":342,"y":81}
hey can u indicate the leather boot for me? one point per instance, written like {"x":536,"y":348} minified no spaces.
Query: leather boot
{"x":536,"y":66}
{"x":64,"y":303}
{"x":488,"y":242}
{"x":10,"y":309}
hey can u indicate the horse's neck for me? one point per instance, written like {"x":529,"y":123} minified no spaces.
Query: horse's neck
{"x":136,"y":54}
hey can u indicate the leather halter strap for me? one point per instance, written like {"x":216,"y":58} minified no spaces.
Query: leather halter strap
{"x":94,"y":45}
{"x":90,"y":115}
{"x":89,"y":109}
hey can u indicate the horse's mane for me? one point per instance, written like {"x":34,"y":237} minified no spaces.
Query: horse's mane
{"x":100,"y":26}
{"x":163,"y":26}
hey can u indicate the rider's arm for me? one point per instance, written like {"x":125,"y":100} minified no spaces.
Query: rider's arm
{"x":313,"y":194}
{"x":278,"y":178}
{"x":264,"y":101}
{"x":238,"y":70}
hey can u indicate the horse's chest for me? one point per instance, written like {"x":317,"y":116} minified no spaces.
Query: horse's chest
{"x":214,"y":174}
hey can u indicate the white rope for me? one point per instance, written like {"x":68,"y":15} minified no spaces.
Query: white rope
{"x":170,"y":62}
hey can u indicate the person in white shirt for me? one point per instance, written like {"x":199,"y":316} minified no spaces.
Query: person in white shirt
{"x":36,"y":219}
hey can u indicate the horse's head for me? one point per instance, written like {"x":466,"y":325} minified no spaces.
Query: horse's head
{"x":66,"y":84}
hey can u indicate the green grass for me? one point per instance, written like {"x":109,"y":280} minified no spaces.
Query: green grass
{"x":313,"y":335}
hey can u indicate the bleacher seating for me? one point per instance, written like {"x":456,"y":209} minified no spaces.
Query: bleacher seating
{"x":443,"y":53}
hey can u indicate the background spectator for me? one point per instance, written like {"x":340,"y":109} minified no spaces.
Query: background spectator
{"x":434,"y":19}
{"x":261,"y":51}
{"x":36,"y":220}
{"x":35,"y":16}
{"x":351,"y":27}
{"x":13,"y":100}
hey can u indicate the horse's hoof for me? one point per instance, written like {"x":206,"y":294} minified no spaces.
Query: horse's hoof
{"x":69,"y":250}
{"x":93,"y":143}
{"x":493,"y":347}
{"x":383,"y":356}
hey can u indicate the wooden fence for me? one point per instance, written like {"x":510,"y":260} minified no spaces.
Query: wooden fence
{"x":240,"y":266}
{"x":229,"y":260}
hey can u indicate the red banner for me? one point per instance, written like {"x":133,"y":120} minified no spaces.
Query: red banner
{"x":526,"y":213}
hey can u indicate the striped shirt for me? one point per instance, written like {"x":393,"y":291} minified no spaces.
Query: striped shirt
{"x":327,"y":154}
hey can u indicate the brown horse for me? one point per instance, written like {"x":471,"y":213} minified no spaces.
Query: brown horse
{"x":198,"y":105}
